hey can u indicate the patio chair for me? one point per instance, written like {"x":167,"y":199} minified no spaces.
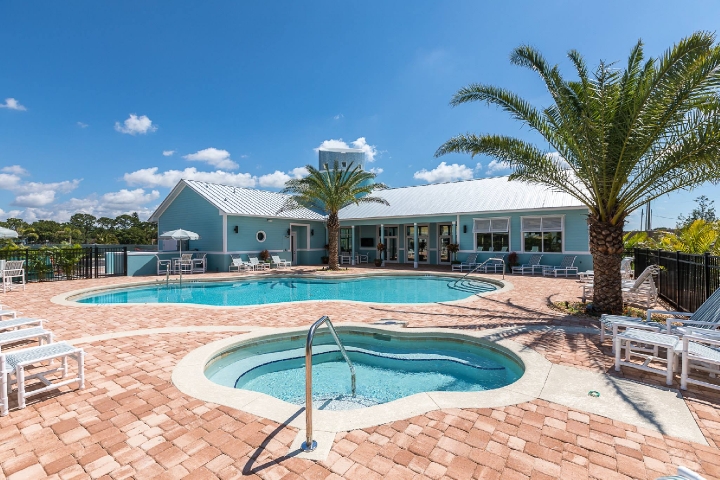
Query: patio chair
{"x":279,"y":262}
{"x":5,"y":312}
{"x":16,"y":323}
{"x":43,"y":336}
{"x":626,"y":272}
{"x":363,"y":258}
{"x":703,"y":351}
{"x":15,"y":363}
{"x":237,"y":264}
{"x":532,"y":264}
{"x":566,"y":266}
{"x":469,"y":263}
{"x":257,"y":264}
{"x":163,"y":266}
{"x":633,"y":288}
{"x":184,"y":264}
{"x":705,"y":319}
{"x":345,"y":257}
{"x":199,"y":263}
{"x":13,"y":270}
{"x":493,"y":265}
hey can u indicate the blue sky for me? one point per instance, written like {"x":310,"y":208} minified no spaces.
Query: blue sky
{"x":112,"y":103}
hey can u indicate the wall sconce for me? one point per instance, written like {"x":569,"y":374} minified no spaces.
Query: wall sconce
{"x":288,"y":232}
{"x":312,"y":232}
{"x":236,"y":229}
{"x":269,"y":220}
{"x":464,"y":228}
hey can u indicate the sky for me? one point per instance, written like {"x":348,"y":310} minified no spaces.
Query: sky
{"x":105,"y":106}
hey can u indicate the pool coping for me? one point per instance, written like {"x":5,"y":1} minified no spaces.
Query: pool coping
{"x":189,"y":377}
{"x":65,"y":298}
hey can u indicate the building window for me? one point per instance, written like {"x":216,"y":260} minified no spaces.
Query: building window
{"x":260,"y":236}
{"x":542,"y":234}
{"x":492,"y":234}
{"x":346,"y":239}
{"x":344,"y":164}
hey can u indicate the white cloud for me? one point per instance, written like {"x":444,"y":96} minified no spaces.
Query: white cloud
{"x":445,"y":173}
{"x":15,"y":170}
{"x":37,"y":199}
{"x":376,"y":171}
{"x":338,"y":116}
{"x":149,"y":177}
{"x":298,"y":172}
{"x":370,"y":150}
{"x":134,"y":125}
{"x":497,"y":166}
{"x":168,"y":153}
{"x":8,"y":181}
{"x":12,"y":104}
{"x":39,"y":187}
{"x":82,"y":125}
{"x":558,"y":159}
{"x":276,"y":179}
{"x":478,"y":167}
{"x":213,"y":156}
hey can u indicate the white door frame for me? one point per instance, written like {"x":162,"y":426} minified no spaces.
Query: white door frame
{"x":293,"y":247}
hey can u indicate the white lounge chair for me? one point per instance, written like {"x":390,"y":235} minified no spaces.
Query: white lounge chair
{"x":279,"y":262}
{"x":15,"y":363}
{"x":362,"y":258}
{"x":633,"y":290}
{"x":14,"y":336}
{"x":532,"y":264}
{"x":495,"y":265}
{"x":6,"y":312}
{"x":626,"y":272}
{"x":13,"y":270}
{"x":164,"y":266}
{"x":199,"y":263}
{"x":469,"y":263}
{"x":566,"y":267}
{"x":703,"y":352}
{"x":257,"y":264}
{"x":705,"y":319}
{"x":237,"y":264}
{"x":16,"y":323}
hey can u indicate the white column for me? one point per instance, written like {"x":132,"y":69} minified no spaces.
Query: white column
{"x":352,"y":246}
{"x":382,"y":240}
{"x":455,"y":238}
{"x":224,"y":233}
{"x":415,"y":245}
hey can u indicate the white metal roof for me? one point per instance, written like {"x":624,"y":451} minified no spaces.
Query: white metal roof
{"x":240,"y":201}
{"x":469,"y":196}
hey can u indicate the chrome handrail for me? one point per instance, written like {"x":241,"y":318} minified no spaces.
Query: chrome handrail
{"x":309,"y":445}
{"x":501,"y":259}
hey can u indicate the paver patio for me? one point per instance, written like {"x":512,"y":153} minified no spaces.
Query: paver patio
{"x":131,"y":422}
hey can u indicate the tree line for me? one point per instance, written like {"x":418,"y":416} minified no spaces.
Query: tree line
{"x":83,"y":228}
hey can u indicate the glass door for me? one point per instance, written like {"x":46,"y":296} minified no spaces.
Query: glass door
{"x":391,"y":243}
{"x":422,"y":250}
{"x":444,"y":239}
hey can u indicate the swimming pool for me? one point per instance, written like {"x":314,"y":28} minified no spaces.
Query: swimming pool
{"x":388,"y":366}
{"x":269,"y":290}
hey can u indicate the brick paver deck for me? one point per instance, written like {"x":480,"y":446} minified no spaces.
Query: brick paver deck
{"x":131,"y":422}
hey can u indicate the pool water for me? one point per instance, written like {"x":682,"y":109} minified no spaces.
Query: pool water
{"x":387,"y":369}
{"x":379,"y":289}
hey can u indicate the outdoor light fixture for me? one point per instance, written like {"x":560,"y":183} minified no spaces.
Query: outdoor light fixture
{"x":288,"y":231}
{"x":464,"y":228}
{"x":235,"y":229}
{"x":269,"y":220}
{"x":312,"y":232}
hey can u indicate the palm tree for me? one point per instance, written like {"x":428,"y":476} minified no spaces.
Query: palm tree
{"x":329,"y":191}
{"x":618,"y":138}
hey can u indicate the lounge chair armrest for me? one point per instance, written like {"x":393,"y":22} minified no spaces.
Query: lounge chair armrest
{"x":701,"y":338}
{"x":666,"y":312}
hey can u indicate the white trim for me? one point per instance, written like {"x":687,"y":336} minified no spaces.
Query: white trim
{"x":569,"y":252}
{"x":453,"y":214}
{"x":257,"y":236}
{"x":509,"y":230}
{"x":406,"y":237}
{"x":224,"y":230}
{"x":562,"y":231}
{"x":307,"y":232}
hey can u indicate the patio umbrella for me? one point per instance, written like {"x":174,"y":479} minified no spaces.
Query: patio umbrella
{"x":7,"y":233}
{"x":180,"y":234}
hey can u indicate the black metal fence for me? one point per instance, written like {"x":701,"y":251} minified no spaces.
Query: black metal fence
{"x":686,"y":280}
{"x":48,"y":264}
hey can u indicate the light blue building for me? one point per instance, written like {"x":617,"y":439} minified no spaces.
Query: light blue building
{"x":483,"y":216}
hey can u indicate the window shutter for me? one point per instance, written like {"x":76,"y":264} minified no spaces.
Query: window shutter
{"x":481,"y":226}
{"x":552,"y":224}
{"x":531,"y":224}
{"x":499,"y":225}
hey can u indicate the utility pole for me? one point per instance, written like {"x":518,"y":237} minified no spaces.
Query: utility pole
{"x":648,"y":218}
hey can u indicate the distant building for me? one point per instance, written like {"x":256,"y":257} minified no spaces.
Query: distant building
{"x":344,"y":156}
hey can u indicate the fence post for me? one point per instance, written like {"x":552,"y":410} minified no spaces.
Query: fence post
{"x":678,"y":278}
{"x":125,"y":261}
{"x":94,"y":266}
{"x":706,"y":276}
{"x":27,"y":265}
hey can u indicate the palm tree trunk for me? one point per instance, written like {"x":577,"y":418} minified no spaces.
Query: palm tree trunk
{"x":333,"y":224}
{"x":606,"y":248}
